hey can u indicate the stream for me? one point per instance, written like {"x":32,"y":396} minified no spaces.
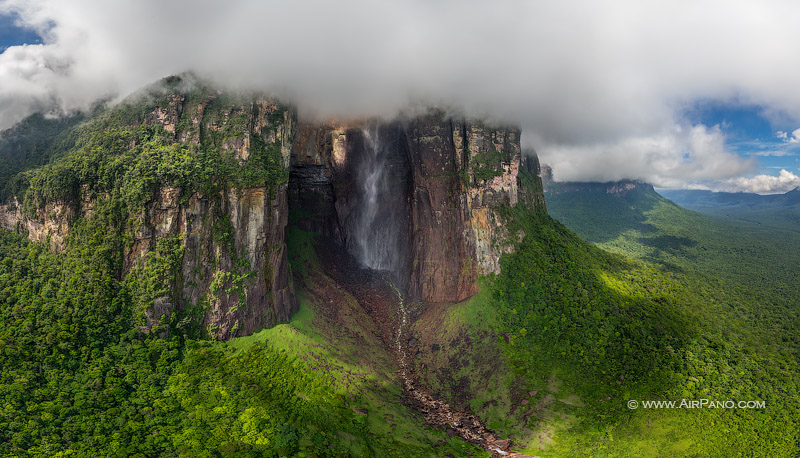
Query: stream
{"x":436,"y":412}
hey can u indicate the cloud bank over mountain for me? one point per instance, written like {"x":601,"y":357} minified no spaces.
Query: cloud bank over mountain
{"x":759,"y":184}
{"x":597,"y":87}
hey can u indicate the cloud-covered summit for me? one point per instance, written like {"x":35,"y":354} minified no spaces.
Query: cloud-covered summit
{"x":760,"y":184}
{"x":597,"y":87}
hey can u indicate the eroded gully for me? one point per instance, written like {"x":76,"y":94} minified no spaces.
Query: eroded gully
{"x":437,"y":412}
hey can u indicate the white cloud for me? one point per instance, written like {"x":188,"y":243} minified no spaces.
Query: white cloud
{"x":760,"y":184}
{"x":602,"y":81}
{"x":793,"y":138}
{"x":667,"y":159}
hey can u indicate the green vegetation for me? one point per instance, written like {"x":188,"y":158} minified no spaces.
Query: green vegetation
{"x":80,"y":375}
{"x":33,"y":142}
{"x":157,"y":277}
{"x":775,"y":210}
{"x":587,"y":331}
{"x":643,"y":225}
{"x":80,"y":379}
{"x":679,"y":306}
{"x":121,"y":152}
{"x":488,"y":164}
{"x":567,"y":334}
{"x":341,"y":341}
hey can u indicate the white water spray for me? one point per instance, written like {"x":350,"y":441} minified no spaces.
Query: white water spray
{"x":375,"y":234}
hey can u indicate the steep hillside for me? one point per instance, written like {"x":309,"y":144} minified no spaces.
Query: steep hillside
{"x":569,"y":334}
{"x":640,"y":223}
{"x":32,"y":143}
{"x":749,"y":268}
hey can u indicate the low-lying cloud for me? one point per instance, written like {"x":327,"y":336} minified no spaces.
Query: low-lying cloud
{"x":597,"y":87}
{"x":667,"y":159}
{"x":759,"y":184}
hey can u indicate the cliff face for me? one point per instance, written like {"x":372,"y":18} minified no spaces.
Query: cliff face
{"x":616,"y":188}
{"x":234,"y":264}
{"x":50,"y":225}
{"x":461,"y":170}
{"x":232,"y":275}
{"x":449,"y":177}
{"x":418,"y":197}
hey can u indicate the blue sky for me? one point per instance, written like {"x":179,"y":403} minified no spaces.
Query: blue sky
{"x":12,"y":35}
{"x":752,"y":131}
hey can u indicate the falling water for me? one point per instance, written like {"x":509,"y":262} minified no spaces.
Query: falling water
{"x":376,"y":232}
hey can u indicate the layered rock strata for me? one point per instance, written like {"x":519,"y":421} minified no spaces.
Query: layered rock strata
{"x":444,"y":182}
{"x":454,"y":176}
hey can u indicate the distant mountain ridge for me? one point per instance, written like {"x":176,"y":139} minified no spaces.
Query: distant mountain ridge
{"x":742,"y":237}
{"x":779,"y":210}
{"x":618,"y":188}
{"x":701,"y":199}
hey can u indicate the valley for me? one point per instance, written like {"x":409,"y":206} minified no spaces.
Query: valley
{"x":780,"y":211}
{"x":385,"y":305}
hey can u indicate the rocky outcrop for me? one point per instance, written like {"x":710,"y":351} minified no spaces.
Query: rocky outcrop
{"x":616,"y":188}
{"x":234,"y":264}
{"x":448,"y":177}
{"x":232,"y":275}
{"x":318,"y":154}
{"x":50,"y":224}
{"x":461,"y":172}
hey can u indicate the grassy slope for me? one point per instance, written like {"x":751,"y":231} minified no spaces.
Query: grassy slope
{"x":79,"y":380}
{"x":333,"y":335}
{"x":587,"y":331}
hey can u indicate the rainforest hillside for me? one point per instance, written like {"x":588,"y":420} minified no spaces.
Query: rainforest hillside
{"x":632,"y":219}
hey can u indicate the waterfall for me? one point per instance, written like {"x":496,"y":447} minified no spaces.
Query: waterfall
{"x":376,"y":233}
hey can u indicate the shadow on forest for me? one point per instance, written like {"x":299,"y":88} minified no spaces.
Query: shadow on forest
{"x":622,"y":213}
